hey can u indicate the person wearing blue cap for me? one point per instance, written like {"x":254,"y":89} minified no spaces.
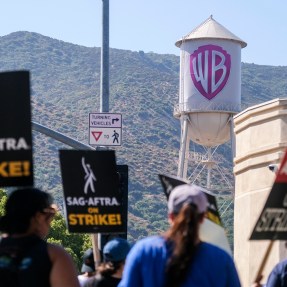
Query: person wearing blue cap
{"x":110,"y":271}
{"x":179,"y":258}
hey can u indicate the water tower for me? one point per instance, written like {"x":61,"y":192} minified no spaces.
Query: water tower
{"x":210,"y":91}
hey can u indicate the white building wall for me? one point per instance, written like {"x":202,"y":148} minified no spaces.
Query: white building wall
{"x":261,"y":139}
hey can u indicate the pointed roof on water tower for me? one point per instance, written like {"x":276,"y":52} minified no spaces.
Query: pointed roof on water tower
{"x":211,"y":29}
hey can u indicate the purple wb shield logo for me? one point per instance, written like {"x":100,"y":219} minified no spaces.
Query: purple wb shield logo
{"x":210,"y":68}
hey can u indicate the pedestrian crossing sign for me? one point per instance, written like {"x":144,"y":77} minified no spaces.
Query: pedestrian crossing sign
{"x":105,"y":129}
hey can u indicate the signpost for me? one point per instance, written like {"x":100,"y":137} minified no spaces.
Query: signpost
{"x":105,"y":129}
{"x":123,"y":172}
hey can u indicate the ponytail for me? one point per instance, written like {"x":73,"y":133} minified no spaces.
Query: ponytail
{"x":183,"y":238}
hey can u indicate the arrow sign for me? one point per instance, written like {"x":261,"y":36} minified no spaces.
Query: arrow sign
{"x":115,"y":120}
{"x":105,"y":120}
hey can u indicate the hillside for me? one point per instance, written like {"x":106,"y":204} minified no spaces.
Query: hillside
{"x":144,"y":87}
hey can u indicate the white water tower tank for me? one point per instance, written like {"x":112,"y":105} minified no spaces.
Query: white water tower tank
{"x":210,"y":82}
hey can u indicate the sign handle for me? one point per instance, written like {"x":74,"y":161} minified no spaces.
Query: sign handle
{"x":264,"y":260}
{"x":97,"y":255}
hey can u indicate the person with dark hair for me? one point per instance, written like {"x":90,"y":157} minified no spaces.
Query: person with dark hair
{"x":110,"y":271}
{"x":87,"y":279}
{"x":26,"y":259}
{"x":179,"y":258}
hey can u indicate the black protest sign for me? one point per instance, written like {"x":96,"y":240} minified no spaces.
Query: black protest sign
{"x":123,"y":172}
{"x":170,"y":182}
{"x":16,"y":165}
{"x":272,"y":222}
{"x":212,"y":212}
{"x":92,"y":197}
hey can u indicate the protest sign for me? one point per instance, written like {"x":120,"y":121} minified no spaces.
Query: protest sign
{"x":211,"y":230}
{"x":16,"y":165}
{"x":94,"y":201}
{"x":272,"y":222}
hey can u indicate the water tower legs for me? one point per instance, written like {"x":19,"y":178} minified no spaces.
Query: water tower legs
{"x":232,"y":138}
{"x":209,"y":167}
{"x":184,"y":147}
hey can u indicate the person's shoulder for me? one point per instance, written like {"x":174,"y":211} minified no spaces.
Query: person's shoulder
{"x":56,"y":248}
{"x":103,"y":281}
{"x":283,"y":262}
{"x":147,"y":245}
{"x":87,"y":281}
{"x":154,"y":238}
{"x":57,"y":252}
{"x":151,"y":241}
{"x":63,"y":271}
{"x":282,"y":265}
{"x":213,"y":249}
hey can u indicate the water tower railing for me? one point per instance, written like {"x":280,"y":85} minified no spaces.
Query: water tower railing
{"x":185,"y":108}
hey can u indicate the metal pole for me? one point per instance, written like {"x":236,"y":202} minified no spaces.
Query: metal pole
{"x":208,"y":167}
{"x":183,"y":144}
{"x":104,"y":100}
{"x":60,"y":137}
{"x":232,"y":138}
{"x":96,"y":251}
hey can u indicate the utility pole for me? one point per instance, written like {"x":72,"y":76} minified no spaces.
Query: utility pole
{"x":105,"y":77}
{"x":104,"y":97}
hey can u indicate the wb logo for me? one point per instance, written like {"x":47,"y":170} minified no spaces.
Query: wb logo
{"x":210,"y":69}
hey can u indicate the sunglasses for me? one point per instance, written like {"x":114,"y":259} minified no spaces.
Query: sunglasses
{"x":51,"y":210}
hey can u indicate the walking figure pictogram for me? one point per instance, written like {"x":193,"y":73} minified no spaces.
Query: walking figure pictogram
{"x":116,"y":137}
{"x":89,"y":177}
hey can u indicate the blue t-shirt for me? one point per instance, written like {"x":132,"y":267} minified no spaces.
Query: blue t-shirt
{"x":278,"y":276}
{"x":145,"y":266}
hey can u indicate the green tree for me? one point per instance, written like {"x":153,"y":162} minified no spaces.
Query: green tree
{"x":74,"y":243}
{"x":3,"y":199}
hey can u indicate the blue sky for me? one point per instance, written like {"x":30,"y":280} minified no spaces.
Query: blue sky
{"x":154,"y":25}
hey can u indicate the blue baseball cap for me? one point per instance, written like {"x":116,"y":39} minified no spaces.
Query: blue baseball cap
{"x":116,"y":250}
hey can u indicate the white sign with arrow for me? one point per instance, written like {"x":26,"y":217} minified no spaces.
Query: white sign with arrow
{"x":105,"y":129}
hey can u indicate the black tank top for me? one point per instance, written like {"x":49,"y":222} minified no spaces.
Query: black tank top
{"x":35,"y":262}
